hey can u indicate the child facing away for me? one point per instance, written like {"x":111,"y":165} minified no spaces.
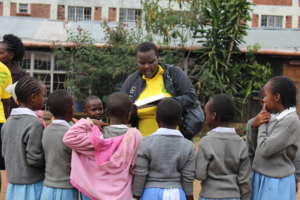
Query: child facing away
{"x":22,"y":143}
{"x":222,"y":163}
{"x":165,"y":164}
{"x":277,"y":142}
{"x":102,"y":163}
{"x":57,"y":155}
{"x":93,"y":107}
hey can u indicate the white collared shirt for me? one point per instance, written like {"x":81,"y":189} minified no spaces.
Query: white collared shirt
{"x":23,"y":111}
{"x":168,"y":132}
{"x":285,"y":113}
{"x":61,"y":122}
{"x":224,"y":130}
{"x":119,"y":126}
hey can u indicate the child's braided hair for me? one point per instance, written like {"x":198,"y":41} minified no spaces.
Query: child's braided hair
{"x":26,"y":87}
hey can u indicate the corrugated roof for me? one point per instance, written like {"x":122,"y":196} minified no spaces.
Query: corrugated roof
{"x":43,"y":32}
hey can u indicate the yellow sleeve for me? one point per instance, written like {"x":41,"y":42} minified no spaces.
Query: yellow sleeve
{"x":5,"y":80}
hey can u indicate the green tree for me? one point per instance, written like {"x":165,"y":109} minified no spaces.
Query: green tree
{"x":94,"y":70}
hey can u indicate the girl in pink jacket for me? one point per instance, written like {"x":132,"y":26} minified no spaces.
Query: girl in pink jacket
{"x":102,"y":161}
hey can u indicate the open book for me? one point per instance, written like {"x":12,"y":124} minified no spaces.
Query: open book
{"x":149,"y":100}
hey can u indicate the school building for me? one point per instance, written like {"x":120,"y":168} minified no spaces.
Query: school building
{"x":265,"y":13}
{"x":276,"y":14}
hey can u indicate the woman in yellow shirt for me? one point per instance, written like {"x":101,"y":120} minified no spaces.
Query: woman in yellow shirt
{"x":153,"y":79}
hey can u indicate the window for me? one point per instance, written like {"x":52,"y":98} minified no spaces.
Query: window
{"x":42,"y":66}
{"x":79,"y":13}
{"x":23,"y":8}
{"x":270,"y":21}
{"x":129,"y":14}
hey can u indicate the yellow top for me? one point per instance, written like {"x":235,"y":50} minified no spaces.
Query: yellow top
{"x":5,"y":80}
{"x":147,"y":116}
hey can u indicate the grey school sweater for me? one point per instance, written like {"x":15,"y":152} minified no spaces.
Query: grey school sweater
{"x":22,"y":148}
{"x":165,"y":160}
{"x":252,"y":143}
{"x":277,"y":144}
{"x":114,"y":130}
{"x":223,"y":165}
{"x":57,"y":156}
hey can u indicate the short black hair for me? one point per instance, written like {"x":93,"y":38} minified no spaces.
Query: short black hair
{"x":118,"y":105}
{"x":59,"y":102}
{"x":26,"y":87}
{"x":90,"y":98}
{"x":14,"y":45}
{"x":169,"y":112}
{"x":147,"y":46}
{"x":287,"y":90}
{"x":223,"y":106}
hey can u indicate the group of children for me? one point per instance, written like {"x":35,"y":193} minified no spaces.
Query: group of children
{"x":90,"y":159}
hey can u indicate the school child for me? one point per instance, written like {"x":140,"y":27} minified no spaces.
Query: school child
{"x":102,"y":163}
{"x":222,"y":163}
{"x":57,"y":155}
{"x":93,"y":107}
{"x":165,"y":164}
{"x":277,"y":143}
{"x":22,"y":143}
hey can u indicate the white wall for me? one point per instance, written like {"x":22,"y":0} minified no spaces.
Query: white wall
{"x":105,"y":4}
{"x":293,"y":11}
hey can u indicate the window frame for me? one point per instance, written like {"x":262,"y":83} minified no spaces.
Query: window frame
{"x":124,"y":14}
{"x":19,"y":9}
{"x":31,"y":59}
{"x":272,"y":21}
{"x":80,"y":13}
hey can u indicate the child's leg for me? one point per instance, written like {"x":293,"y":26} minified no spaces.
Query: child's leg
{"x":24,"y":192}
{"x":3,"y":184}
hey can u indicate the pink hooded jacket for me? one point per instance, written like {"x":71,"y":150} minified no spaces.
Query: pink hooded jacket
{"x":102,"y":168}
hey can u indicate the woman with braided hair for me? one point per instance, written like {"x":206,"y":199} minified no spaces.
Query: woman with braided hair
{"x":12,"y":52}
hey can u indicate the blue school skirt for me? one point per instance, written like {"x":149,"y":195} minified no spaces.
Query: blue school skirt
{"x":269,"y":188}
{"x":24,"y":192}
{"x":50,"y":193}
{"x":163,"y":194}
{"x":84,"y":197}
{"x":218,"y":199}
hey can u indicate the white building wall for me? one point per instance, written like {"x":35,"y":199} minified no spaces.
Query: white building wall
{"x":104,"y":4}
{"x":284,"y":11}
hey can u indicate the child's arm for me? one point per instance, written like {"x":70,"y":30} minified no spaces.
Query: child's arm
{"x":284,"y":134}
{"x":202,"y":161}
{"x":251,"y":135}
{"x":188,"y":175}
{"x":33,"y":141}
{"x":140,"y":171}
{"x":78,"y":138}
{"x":244,"y":174}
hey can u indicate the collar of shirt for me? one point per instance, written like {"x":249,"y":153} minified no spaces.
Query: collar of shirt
{"x":160,"y":72}
{"x":223,"y":130}
{"x":61,"y":122}
{"x":23,"y":111}
{"x":119,"y":126}
{"x":285,"y":113}
{"x":168,"y":132}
